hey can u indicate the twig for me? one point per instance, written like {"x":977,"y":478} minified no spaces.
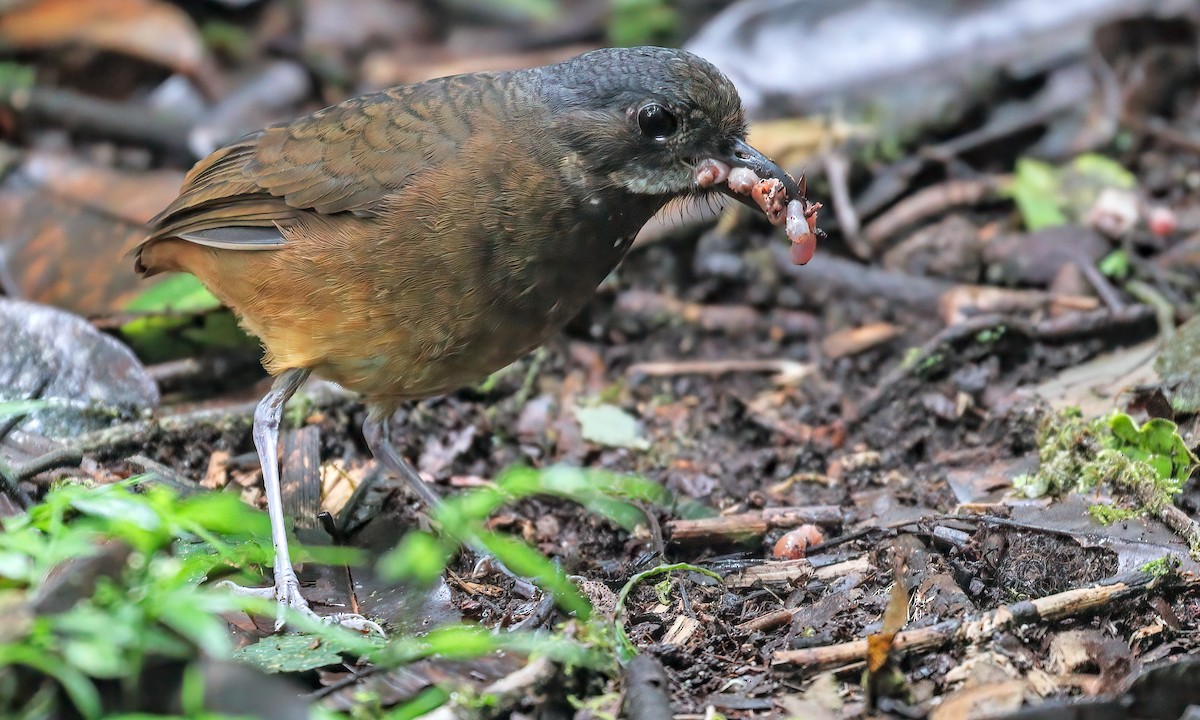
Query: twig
{"x":768,"y":621}
{"x":930,"y":201}
{"x":660,"y":308}
{"x":11,"y":423}
{"x":57,"y":458}
{"x":751,"y":525}
{"x":13,"y":486}
{"x":221,"y":420}
{"x":1099,"y":283}
{"x":1057,"y":329}
{"x":832,"y":278}
{"x":791,"y":572}
{"x":837,"y":171}
{"x":1164,"y":311}
{"x":1160,"y":129}
{"x":981,"y":627}
{"x":789,"y":369}
{"x":132,"y":122}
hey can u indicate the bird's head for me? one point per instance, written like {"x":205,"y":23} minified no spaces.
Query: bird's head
{"x":642,"y":119}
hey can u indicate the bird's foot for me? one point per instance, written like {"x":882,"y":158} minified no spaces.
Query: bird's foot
{"x":486,"y":563}
{"x":286,"y":592}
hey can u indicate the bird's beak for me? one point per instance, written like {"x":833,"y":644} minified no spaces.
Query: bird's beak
{"x":741,"y":154}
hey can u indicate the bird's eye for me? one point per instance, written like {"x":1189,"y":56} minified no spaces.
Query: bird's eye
{"x":656,"y":121}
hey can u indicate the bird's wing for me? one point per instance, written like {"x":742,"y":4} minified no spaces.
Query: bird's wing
{"x":345,"y":158}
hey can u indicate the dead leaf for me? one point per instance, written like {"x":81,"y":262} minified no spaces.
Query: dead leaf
{"x":65,"y":226}
{"x":338,"y":483}
{"x":216,"y":475}
{"x":852,"y":341}
{"x":151,"y":30}
{"x":981,"y":701}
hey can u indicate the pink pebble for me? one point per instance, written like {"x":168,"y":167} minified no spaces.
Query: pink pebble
{"x":1162,"y":221}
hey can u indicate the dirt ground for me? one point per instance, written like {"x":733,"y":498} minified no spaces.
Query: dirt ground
{"x":845,"y":444}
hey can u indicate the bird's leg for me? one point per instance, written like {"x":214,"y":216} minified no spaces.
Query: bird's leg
{"x":267,"y":417}
{"x":378,"y":435}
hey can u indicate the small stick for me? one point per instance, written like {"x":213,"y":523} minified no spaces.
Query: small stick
{"x":779,"y":366}
{"x":751,"y":525}
{"x":926,"y":203}
{"x":837,"y":172}
{"x":791,"y":572}
{"x":769,"y":621}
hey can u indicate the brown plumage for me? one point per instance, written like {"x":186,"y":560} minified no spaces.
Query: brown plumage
{"x":409,"y":242}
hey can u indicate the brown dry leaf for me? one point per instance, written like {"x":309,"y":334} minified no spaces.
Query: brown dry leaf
{"x":794,"y":141}
{"x":852,"y":341}
{"x":474,"y":588}
{"x":135,"y":197}
{"x":821,"y":701}
{"x":148,"y":29}
{"x":338,"y":483}
{"x":879,"y":645}
{"x":681,"y":630}
{"x":216,"y":475}
{"x":65,"y":226}
{"x":981,"y":701}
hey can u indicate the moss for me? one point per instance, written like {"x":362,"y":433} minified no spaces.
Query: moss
{"x":1161,"y":567}
{"x":1109,"y":514}
{"x":1150,"y":462}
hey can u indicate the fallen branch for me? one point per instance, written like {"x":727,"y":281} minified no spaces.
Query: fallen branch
{"x":225,"y":419}
{"x":973,"y":630}
{"x":751,"y":525}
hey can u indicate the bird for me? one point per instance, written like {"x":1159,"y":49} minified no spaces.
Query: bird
{"x":409,"y":242}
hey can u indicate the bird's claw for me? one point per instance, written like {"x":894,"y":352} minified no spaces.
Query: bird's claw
{"x":521,"y":585}
{"x":286,"y":592}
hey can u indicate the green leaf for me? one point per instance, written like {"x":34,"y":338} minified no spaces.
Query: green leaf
{"x":641,"y":22}
{"x":1156,"y":443}
{"x":119,"y":506}
{"x":177,"y":293}
{"x":1035,"y":189}
{"x":1115,"y":264}
{"x":223,"y":513}
{"x":78,"y":687}
{"x":426,"y":701}
{"x":14,"y":408}
{"x":611,"y":426}
{"x":290,"y":653}
{"x":189,"y":613}
{"x":1103,"y":171}
{"x":420,"y":557}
